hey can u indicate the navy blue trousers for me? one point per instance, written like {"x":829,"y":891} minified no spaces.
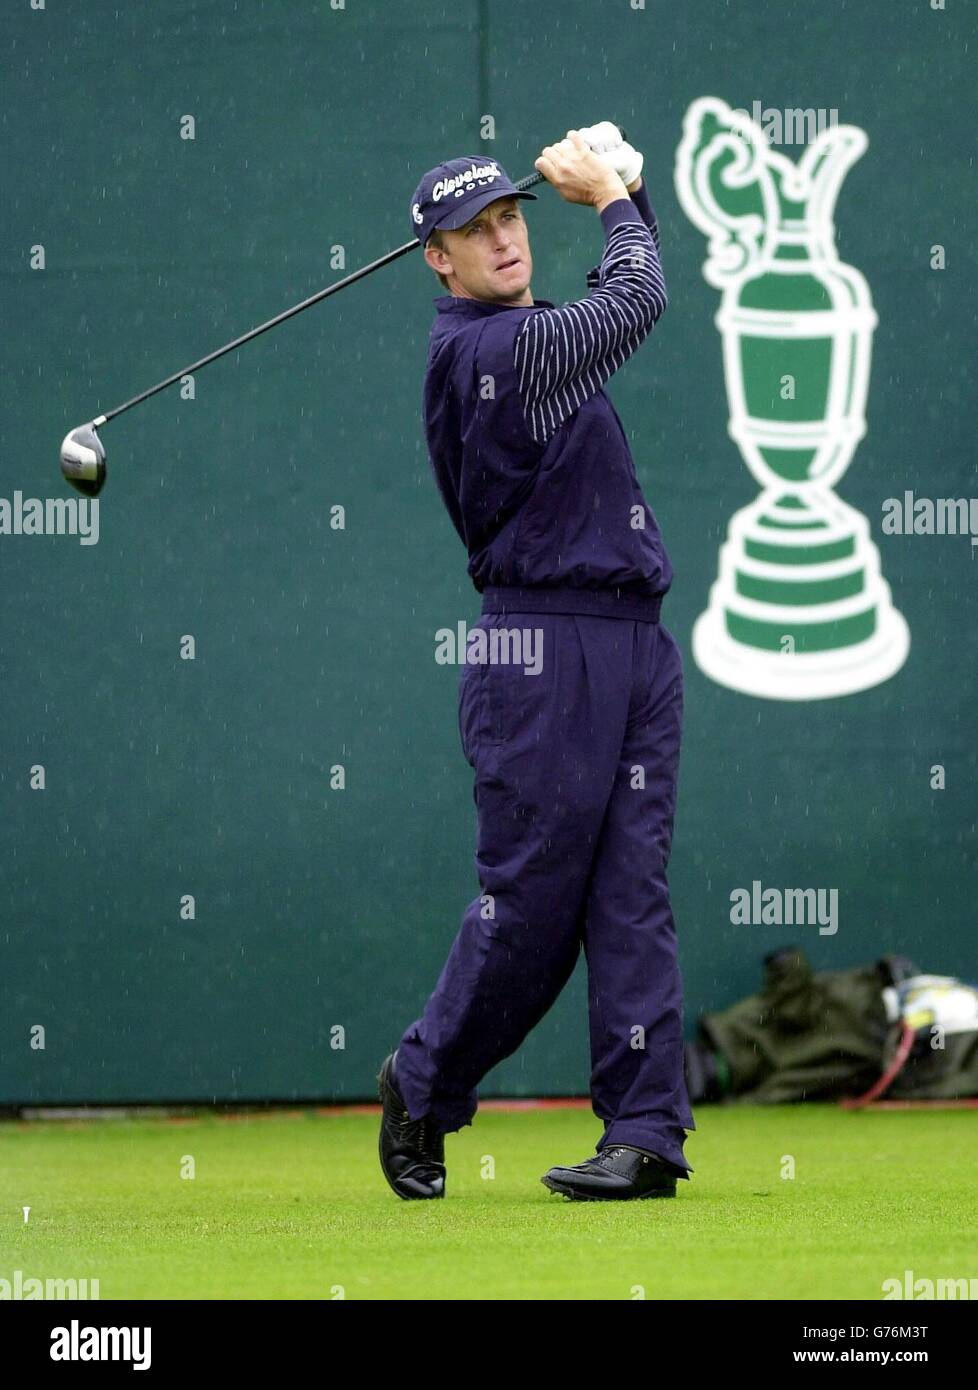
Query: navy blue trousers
{"x":575,"y":786}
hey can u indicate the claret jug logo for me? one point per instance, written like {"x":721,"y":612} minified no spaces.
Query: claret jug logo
{"x":800,"y":610}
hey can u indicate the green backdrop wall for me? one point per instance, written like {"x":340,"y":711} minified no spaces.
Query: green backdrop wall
{"x":315,"y":907}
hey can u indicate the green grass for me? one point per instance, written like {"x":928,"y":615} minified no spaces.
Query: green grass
{"x":292,"y":1205}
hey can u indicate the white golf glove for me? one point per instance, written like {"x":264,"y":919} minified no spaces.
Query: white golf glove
{"x":605,"y":139}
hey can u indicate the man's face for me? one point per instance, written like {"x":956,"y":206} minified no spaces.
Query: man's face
{"x":489,"y":257}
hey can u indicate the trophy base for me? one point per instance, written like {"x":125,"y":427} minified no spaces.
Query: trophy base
{"x":801,"y":675}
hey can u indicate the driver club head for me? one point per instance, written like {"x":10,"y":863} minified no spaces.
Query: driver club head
{"x":83,"y":459}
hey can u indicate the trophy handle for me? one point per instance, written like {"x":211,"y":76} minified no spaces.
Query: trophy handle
{"x":737,"y":242}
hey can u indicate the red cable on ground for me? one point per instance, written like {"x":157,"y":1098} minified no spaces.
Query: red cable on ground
{"x":903,"y":1051}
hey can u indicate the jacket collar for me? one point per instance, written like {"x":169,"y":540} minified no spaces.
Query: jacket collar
{"x":478,"y":308}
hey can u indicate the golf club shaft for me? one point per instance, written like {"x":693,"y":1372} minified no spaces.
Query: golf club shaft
{"x":522,"y":184}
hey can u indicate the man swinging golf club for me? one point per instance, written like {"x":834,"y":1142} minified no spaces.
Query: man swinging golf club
{"x":576,"y":762}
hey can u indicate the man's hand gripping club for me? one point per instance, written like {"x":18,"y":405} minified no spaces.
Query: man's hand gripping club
{"x":579,"y":174}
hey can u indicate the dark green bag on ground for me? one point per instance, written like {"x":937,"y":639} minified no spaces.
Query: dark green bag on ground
{"x":833,"y":1034}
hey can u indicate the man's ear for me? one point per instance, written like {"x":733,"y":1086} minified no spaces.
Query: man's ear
{"x":435,"y":257}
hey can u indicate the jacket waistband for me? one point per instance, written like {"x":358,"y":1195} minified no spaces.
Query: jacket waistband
{"x":601,"y":603}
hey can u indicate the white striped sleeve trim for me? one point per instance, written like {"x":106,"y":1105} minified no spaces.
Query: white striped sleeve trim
{"x":564,"y":356}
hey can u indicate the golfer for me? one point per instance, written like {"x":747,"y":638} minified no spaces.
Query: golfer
{"x":576,"y":750}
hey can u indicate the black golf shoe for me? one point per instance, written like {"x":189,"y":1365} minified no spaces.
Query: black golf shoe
{"x":412,"y":1152}
{"x":616,"y":1173}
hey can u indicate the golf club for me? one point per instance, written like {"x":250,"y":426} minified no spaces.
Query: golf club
{"x":82,"y":452}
